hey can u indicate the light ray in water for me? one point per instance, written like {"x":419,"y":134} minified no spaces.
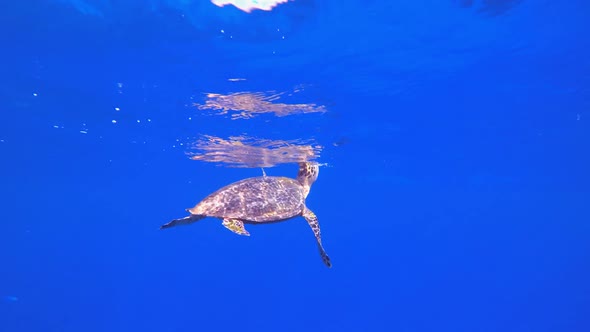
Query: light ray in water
{"x":9,"y":298}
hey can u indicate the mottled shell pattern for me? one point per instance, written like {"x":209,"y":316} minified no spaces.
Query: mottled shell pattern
{"x":260,"y":199}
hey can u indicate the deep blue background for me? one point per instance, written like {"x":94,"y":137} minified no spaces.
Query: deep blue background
{"x":459,"y":201}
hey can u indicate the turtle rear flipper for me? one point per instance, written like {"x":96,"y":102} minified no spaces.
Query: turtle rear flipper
{"x":236,"y":226}
{"x":312,"y":220}
{"x":182,"y":221}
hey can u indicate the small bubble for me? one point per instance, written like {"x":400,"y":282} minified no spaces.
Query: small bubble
{"x":222,"y":31}
{"x":138,"y":121}
{"x":114,"y":121}
{"x":35,"y":94}
{"x":117,"y":109}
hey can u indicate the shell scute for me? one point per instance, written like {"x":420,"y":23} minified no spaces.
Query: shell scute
{"x":258,"y":199}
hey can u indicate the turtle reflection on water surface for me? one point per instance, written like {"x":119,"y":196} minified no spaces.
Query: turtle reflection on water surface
{"x":259,"y":200}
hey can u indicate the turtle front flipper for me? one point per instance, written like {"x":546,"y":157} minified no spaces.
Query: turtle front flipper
{"x":182,"y":221}
{"x":312,"y":220}
{"x":235,"y":225}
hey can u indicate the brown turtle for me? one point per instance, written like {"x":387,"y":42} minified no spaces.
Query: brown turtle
{"x":259,"y":200}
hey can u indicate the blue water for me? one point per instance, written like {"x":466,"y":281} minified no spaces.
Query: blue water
{"x":454,"y":193}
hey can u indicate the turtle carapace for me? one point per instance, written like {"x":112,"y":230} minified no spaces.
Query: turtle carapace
{"x":258,"y":200}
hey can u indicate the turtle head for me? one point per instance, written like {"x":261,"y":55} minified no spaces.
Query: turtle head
{"x":308,"y":173}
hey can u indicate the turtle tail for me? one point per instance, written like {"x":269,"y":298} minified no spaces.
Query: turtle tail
{"x":182,"y":221}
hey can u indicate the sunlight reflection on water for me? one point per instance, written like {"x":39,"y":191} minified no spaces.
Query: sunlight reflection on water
{"x":242,"y":151}
{"x":250,"y":5}
{"x":249,"y":104}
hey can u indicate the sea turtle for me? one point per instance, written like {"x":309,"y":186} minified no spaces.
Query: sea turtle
{"x":259,"y":200}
